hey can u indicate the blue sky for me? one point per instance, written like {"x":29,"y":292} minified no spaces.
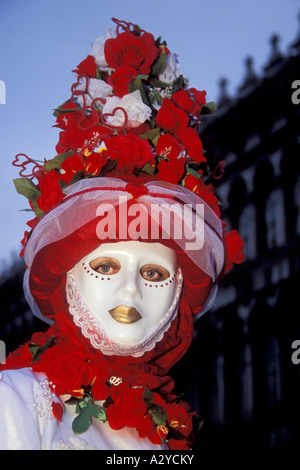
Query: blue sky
{"x":42,"y":41}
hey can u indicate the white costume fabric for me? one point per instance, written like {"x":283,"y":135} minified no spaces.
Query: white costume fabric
{"x":27,"y":421}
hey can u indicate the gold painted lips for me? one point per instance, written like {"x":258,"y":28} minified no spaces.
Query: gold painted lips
{"x":123,"y":314}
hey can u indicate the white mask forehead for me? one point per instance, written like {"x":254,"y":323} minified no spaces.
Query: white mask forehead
{"x":155,"y":301}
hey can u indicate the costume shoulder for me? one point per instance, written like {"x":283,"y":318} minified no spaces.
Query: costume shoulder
{"x":19,"y":425}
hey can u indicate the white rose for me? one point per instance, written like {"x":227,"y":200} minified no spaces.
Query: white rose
{"x":96,"y":89}
{"x":98,"y":49}
{"x":171,"y":70}
{"x":137,"y":111}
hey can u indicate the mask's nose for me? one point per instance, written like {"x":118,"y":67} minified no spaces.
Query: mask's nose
{"x":130,"y":290}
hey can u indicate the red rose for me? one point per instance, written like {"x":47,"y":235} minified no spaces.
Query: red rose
{"x":68,"y":370}
{"x":70,"y":167}
{"x":171,"y":118}
{"x":171,"y":171}
{"x":94,"y":164}
{"x":199,"y":96}
{"x":68,"y":119}
{"x":131,"y":151}
{"x":121,"y":78}
{"x":184,"y":100}
{"x":234,"y":248}
{"x":147,"y":428}
{"x":168,"y":146}
{"x":18,"y":359}
{"x":87,"y":67}
{"x":51,"y":193}
{"x":128,"y":49}
{"x":194,"y":148}
{"x":128,"y":407}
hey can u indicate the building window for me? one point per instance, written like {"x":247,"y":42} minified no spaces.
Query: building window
{"x":218,"y":390}
{"x":275,"y":219}
{"x":246,"y":381}
{"x":297,"y":204}
{"x":247,"y":230}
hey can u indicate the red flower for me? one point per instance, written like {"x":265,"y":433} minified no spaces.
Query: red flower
{"x":131,"y":151}
{"x":121,"y":78}
{"x":184,"y":100}
{"x":168,"y":146}
{"x":193,"y":144}
{"x":171,"y":171}
{"x":128,"y":49}
{"x":51,"y":193}
{"x":234,"y":249}
{"x":94,"y":164}
{"x":179,"y":444}
{"x":180,"y":419}
{"x":68,"y":370}
{"x":70,"y":166}
{"x":87,"y":67}
{"x":171,"y":118}
{"x":199,"y":96}
{"x":205,"y":191}
{"x":147,"y":428}
{"x":18,"y":359}
{"x":128,"y":407}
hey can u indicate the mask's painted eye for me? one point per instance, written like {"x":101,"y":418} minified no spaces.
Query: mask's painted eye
{"x":154,"y":273}
{"x":106,"y":266}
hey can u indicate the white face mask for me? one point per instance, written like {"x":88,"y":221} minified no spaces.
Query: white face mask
{"x":125,"y":295}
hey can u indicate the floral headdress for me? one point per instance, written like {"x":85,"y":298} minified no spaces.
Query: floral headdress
{"x":133,"y":116}
{"x":131,"y":113}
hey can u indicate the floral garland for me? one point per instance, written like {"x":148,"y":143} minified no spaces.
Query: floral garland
{"x":132,"y":113}
{"x":129,"y":401}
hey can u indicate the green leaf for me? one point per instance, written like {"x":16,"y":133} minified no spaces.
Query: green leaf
{"x":209,"y":108}
{"x":59,"y":110}
{"x":82,"y":422}
{"x":148,"y":169}
{"x":193,"y":172}
{"x":98,"y":74}
{"x":33,"y":348}
{"x":72,"y":401}
{"x":27,"y":188}
{"x":42,"y":349}
{"x":142,"y":77}
{"x":147,"y":397}
{"x":177,"y":84}
{"x":160,"y":64}
{"x":137,"y":84}
{"x":97,"y":412}
{"x":152,"y":135}
{"x":55,"y":163}
{"x":159,"y":415}
{"x":38,"y":212}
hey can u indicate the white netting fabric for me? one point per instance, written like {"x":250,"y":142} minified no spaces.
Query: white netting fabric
{"x":184,"y":217}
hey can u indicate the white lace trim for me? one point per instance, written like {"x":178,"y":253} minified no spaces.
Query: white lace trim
{"x":75,"y":444}
{"x":43,"y":398}
{"x":92,"y":329}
